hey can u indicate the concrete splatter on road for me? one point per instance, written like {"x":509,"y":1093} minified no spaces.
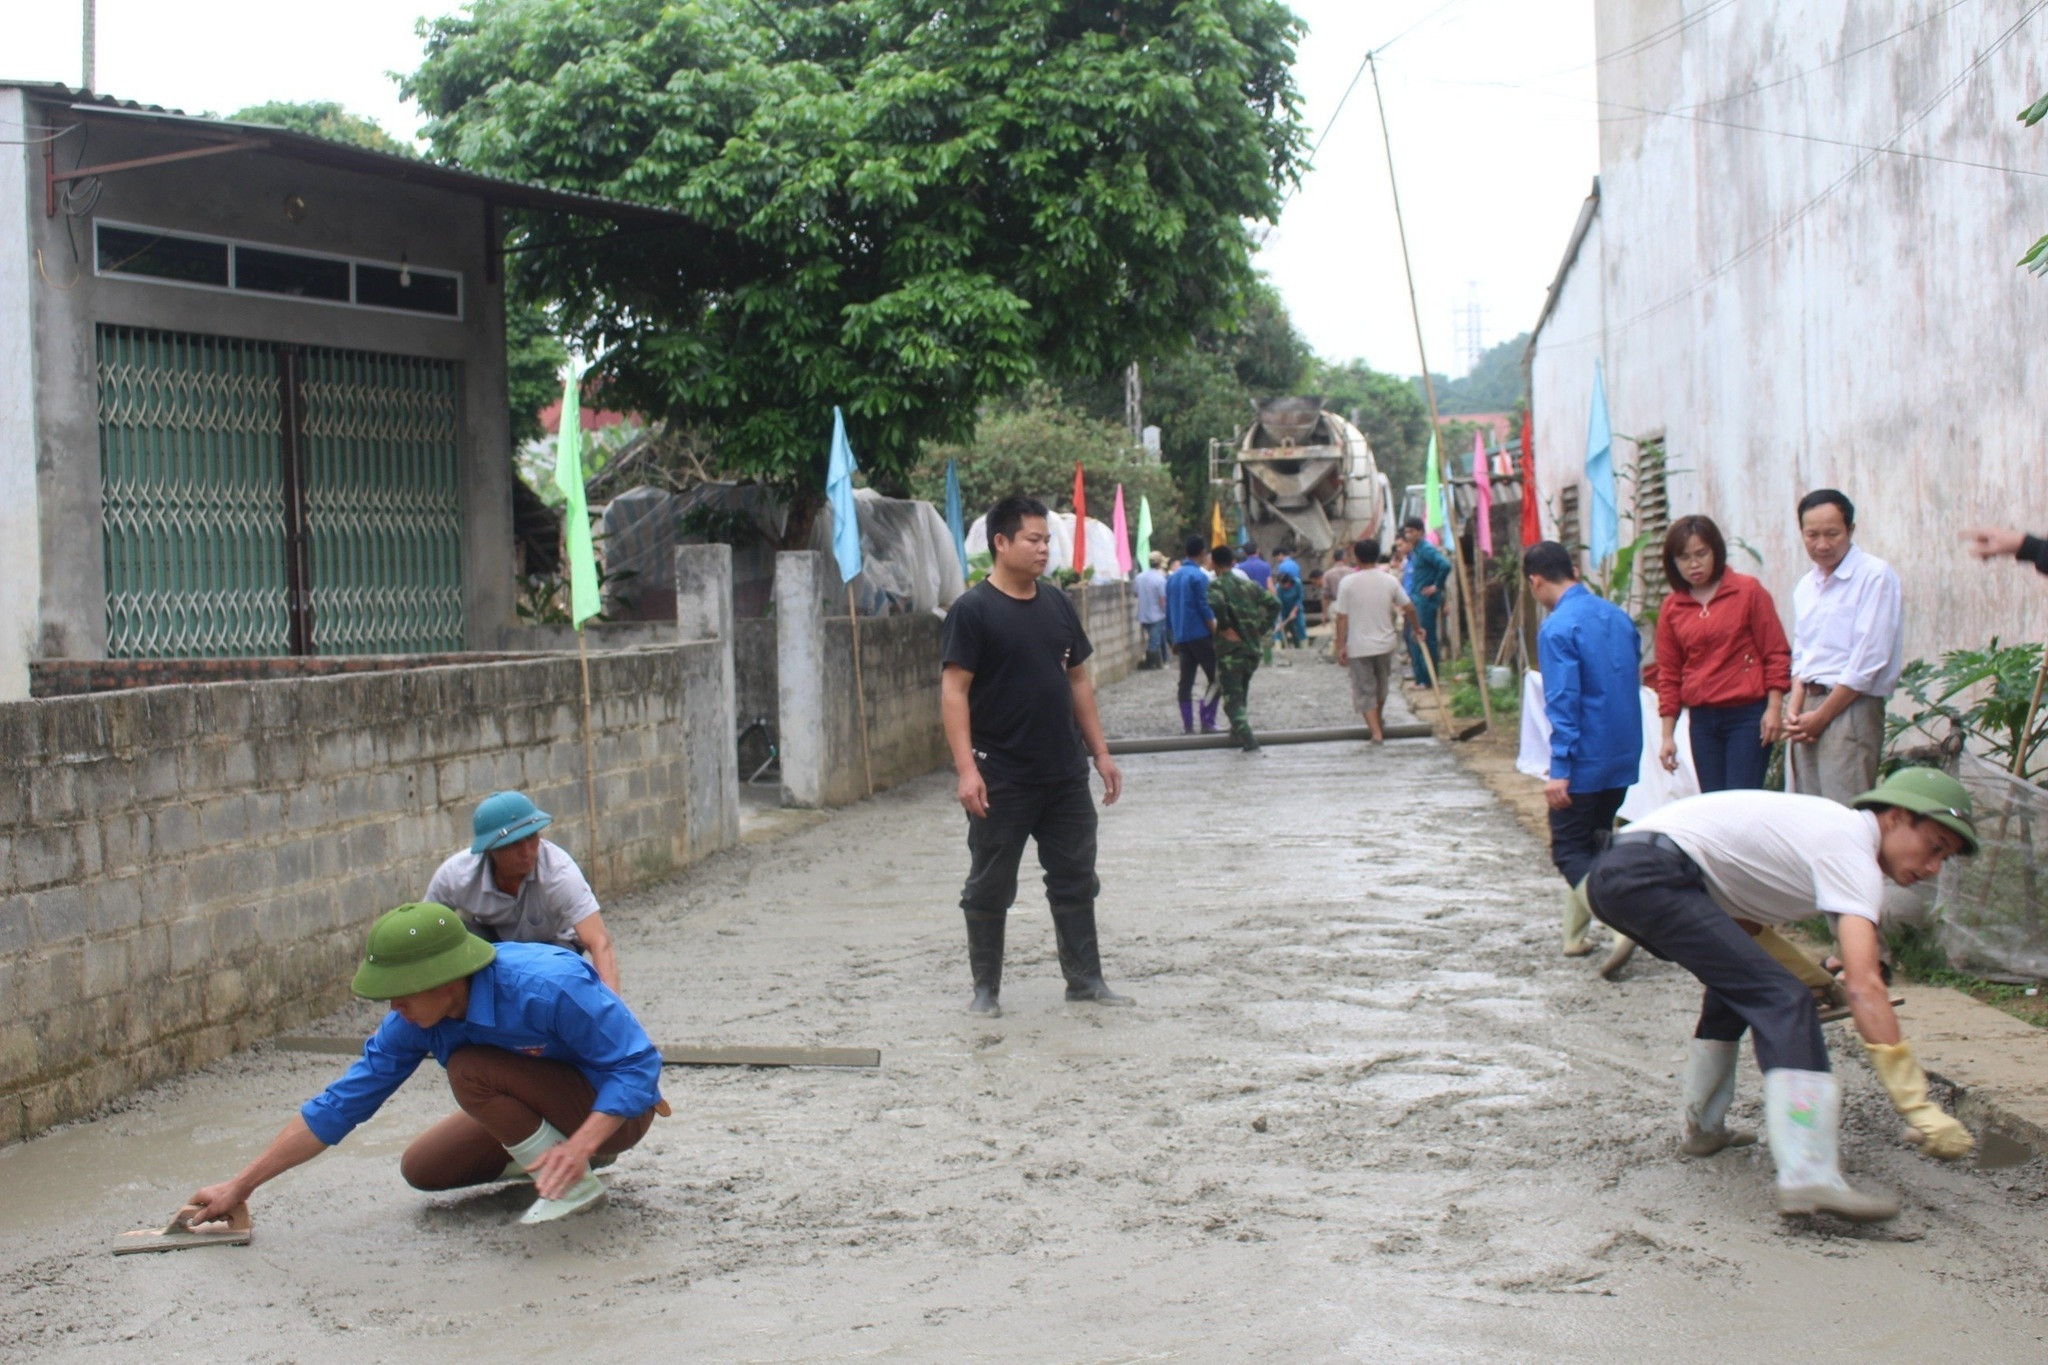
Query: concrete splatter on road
{"x":1362,"y":1110}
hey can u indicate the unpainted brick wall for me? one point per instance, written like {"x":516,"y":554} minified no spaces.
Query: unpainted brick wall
{"x":188,"y":869}
{"x":899,"y":668}
{"x":1110,"y":613}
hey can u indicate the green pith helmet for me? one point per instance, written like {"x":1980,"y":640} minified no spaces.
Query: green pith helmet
{"x":416,"y":948}
{"x":1929,"y":792}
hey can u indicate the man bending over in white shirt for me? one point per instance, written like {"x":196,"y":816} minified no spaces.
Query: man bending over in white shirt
{"x":1694,"y":881}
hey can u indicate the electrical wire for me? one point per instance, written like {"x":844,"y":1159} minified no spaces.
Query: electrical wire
{"x":1345,"y":98}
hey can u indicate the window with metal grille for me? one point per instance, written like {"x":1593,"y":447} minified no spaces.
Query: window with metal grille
{"x":1568,"y":517}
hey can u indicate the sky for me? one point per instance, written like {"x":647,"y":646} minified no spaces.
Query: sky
{"x":1490,"y":102}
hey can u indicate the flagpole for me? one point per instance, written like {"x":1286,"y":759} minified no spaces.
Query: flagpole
{"x":1429,"y":390}
{"x":589,"y":759}
{"x":860,"y":694}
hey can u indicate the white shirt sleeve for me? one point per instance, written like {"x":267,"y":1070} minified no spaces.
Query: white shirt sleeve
{"x":1848,"y":885}
{"x":1878,"y":620}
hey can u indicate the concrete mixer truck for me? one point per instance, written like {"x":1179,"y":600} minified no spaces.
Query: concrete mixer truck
{"x":1301,"y":478}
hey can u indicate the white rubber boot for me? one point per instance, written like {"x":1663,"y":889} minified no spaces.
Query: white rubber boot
{"x":586,"y":1193}
{"x":1578,"y":918}
{"x":1709,"y":1090}
{"x":1803,"y":1111}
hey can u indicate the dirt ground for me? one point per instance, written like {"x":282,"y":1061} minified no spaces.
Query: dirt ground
{"x":1362,"y":1110}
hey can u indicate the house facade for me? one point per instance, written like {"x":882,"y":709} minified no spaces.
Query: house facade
{"x":252,"y":390}
{"x":1797,"y":270}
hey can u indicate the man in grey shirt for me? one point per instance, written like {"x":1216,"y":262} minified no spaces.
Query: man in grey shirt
{"x":512,"y":886}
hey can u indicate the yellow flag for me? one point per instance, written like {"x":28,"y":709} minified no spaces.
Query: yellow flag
{"x":1218,"y":534}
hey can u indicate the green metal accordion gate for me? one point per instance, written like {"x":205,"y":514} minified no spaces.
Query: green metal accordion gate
{"x":260,"y":499}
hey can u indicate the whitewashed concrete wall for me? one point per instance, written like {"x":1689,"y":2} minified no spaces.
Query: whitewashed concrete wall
{"x":1794,"y":314}
{"x":18,"y":525}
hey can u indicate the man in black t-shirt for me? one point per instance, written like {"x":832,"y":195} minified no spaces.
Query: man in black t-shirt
{"x":1021,"y":722}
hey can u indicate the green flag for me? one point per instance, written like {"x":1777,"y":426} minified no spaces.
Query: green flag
{"x":1144,"y":548}
{"x":1432,"y":491}
{"x":583,"y":596}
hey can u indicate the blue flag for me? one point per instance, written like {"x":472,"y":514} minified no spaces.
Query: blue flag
{"x":1604,"y":527}
{"x":839,"y":493}
{"x":954,"y":522}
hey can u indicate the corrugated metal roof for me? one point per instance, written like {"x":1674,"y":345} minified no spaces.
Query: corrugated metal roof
{"x":342,"y":156}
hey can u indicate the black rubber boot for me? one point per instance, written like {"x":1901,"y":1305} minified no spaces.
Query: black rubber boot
{"x":1081,"y":959}
{"x":985,"y":957}
{"x":1250,"y":741}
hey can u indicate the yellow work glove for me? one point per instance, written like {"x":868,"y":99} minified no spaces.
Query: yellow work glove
{"x":1939,"y":1133}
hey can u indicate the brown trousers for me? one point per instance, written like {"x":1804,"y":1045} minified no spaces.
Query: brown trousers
{"x":504,"y":1096}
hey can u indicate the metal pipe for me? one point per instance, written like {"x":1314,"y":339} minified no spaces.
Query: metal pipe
{"x":1178,"y":744}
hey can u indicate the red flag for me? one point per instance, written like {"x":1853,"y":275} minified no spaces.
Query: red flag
{"x":1080,"y":521}
{"x":1532,"y":511}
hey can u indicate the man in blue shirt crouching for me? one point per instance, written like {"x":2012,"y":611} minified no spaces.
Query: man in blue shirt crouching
{"x":535,"y":1047}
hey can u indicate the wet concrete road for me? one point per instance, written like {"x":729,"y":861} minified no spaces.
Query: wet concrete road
{"x":1361,"y":1111}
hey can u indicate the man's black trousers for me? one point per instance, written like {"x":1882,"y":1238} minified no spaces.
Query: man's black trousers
{"x":1647,"y":888}
{"x":1060,"y":817}
{"x":1578,"y":833}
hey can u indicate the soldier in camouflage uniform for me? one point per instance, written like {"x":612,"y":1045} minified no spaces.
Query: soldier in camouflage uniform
{"x":1245,"y":612}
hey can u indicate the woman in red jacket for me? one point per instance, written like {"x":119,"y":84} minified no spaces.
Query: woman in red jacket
{"x":1722,"y":655}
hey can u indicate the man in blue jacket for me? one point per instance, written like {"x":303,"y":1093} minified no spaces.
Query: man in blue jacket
{"x":549,"y":1068}
{"x":1592,"y":657}
{"x":1194,"y":633}
{"x":1431,"y":572}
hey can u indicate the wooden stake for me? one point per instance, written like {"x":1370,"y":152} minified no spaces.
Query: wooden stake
{"x":1458,"y":575}
{"x":589,"y":761}
{"x":2019,"y":747}
{"x":860,"y":693}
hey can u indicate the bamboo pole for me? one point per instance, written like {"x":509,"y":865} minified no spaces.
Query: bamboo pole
{"x":860,"y":694}
{"x":1458,"y":574}
{"x":2019,"y":747}
{"x":1436,"y":687}
{"x":589,"y":759}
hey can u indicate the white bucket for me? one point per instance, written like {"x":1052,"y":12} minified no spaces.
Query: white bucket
{"x":1500,"y":678}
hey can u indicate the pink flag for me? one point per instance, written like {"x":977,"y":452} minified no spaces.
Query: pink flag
{"x":1482,"y":495}
{"x":1123,"y":534}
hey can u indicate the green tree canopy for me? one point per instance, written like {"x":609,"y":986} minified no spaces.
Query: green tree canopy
{"x":1495,"y":384}
{"x":903,"y":209}
{"x":1030,"y":444}
{"x":325,"y":118}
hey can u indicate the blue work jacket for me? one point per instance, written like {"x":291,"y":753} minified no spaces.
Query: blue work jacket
{"x":1432,"y":569}
{"x":533,"y":998}
{"x":1187,"y":604}
{"x":1592,"y":660}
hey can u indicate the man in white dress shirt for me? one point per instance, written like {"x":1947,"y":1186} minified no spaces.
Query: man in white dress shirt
{"x":1847,"y":651}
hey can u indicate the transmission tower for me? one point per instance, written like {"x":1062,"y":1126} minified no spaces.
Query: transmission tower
{"x":1469,"y":318}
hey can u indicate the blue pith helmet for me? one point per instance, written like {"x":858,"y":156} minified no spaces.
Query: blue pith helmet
{"x":505,"y":818}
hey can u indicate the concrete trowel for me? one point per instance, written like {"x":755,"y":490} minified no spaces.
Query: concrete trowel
{"x":181,"y":1234}
{"x":1997,"y":1152}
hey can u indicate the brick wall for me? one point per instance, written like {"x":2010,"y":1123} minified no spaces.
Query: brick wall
{"x":1110,"y":612}
{"x":899,"y":666}
{"x":188,"y":869}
